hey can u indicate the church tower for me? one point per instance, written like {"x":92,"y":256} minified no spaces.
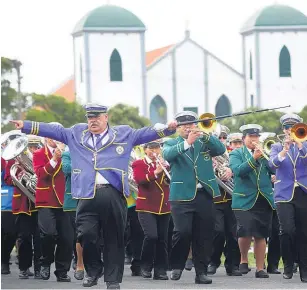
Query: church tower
{"x":274,"y":43}
{"x":109,"y":58}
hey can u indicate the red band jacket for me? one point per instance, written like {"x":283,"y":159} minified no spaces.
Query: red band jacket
{"x":20,"y":203}
{"x":50,"y":187}
{"x":153,"y":193}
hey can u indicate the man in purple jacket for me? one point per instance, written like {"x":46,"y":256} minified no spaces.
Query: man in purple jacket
{"x":290,"y":194}
{"x":100,"y":155}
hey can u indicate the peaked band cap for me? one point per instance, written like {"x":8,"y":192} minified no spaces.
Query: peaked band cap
{"x":34,"y":140}
{"x":153,"y":144}
{"x":93,"y":110}
{"x":251,"y":129}
{"x":225,"y":130}
{"x":290,"y":119}
{"x":235,"y":137}
{"x":186,"y":116}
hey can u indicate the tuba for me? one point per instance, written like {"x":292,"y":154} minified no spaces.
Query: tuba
{"x":220,"y":163}
{"x":22,"y":171}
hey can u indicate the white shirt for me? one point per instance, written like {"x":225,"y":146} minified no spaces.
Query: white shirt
{"x":186,"y":146}
{"x":99,"y":178}
{"x":52,"y":162}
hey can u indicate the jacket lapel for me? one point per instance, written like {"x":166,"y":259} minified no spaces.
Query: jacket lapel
{"x":112,"y":135}
{"x":246,"y":156}
{"x":85,"y":137}
{"x":48,"y":153}
{"x":188,"y":152}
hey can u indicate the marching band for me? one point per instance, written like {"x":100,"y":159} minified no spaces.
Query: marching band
{"x":80,"y":195}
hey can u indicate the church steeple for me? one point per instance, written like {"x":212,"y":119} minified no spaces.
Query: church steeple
{"x":187,"y":30}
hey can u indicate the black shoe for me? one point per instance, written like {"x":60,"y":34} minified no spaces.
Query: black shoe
{"x":304,"y":278}
{"x":113,"y":285}
{"x":37,"y":274}
{"x":234,"y":272}
{"x":160,"y":276}
{"x":79,"y":274}
{"x":5,"y":269}
{"x":45,"y":272}
{"x":136,"y":271}
{"x":62,"y":277}
{"x":202,"y":279}
{"x":146,"y":274}
{"x":176,"y":274}
{"x":273,"y":271}
{"x":243,"y":268}
{"x":23,"y":274}
{"x":30,"y":273}
{"x":189,"y":265}
{"x":89,"y":281}
{"x":287,"y":275}
{"x":211,"y":269}
{"x":261,"y":274}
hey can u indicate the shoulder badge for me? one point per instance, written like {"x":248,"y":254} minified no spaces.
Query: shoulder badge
{"x":119,"y":150}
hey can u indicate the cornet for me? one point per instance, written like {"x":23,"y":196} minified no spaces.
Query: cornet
{"x":162,"y":166}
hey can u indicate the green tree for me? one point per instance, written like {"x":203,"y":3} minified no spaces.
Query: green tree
{"x":268,"y":120}
{"x":303,"y":114}
{"x":55,"y":109}
{"x":122,"y":114}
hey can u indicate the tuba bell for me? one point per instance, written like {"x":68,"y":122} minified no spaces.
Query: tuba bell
{"x":22,"y":171}
{"x":136,"y":153}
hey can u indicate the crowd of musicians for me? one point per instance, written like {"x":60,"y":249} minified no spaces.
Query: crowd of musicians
{"x":181,"y":214}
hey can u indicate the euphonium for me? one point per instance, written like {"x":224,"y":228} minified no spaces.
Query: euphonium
{"x":221,"y":163}
{"x":22,"y":171}
{"x":267,"y":140}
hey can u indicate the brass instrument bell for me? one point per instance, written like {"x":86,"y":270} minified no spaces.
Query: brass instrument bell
{"x":299,"y":132}
{"x":207,"y":126}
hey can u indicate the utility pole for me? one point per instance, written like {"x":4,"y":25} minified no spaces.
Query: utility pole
{"x":17,"y":64}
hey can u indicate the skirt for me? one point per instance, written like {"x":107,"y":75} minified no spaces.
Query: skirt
{"x":256,"y":222}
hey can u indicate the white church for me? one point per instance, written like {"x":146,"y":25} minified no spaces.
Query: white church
{"x":111,"y":66}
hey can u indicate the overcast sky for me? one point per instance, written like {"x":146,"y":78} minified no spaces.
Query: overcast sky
{"x":38,"y":32}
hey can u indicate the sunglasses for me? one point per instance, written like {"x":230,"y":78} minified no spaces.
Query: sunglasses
{"x":223,"y":137}
{"x":287,"y":127}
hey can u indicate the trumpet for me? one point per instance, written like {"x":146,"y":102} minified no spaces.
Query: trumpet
{"x":162,"y":166}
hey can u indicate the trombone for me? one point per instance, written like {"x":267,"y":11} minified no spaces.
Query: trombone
{"x":298,"y":133}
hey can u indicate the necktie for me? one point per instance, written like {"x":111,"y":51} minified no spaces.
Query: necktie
{"x":253,"y":151}
{"x":192,"y":150}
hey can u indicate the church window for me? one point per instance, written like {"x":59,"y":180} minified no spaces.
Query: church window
{"x":158,"y":110}
{"x":116,"y":74}
{"x":81,"y":70}
{"x":252,"y":101}
{"x":193,"y":109}
{"x":250,"y":67}
{"x":284,"y":63}
{"x":223,"y":106}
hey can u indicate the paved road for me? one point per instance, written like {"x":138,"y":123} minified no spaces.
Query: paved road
{"x":220,"y":281}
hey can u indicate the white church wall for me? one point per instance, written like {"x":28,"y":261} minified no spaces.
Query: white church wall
{"x":276,"y":90}
{"x":250,"y":82}
{"x":79,"y":61}
{"x":222,"y":80}
{"x":159,"y":82}
{"x":102,"y":90}
{"x":190,"y":77}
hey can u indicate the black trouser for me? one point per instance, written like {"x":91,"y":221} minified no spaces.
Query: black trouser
{"x":106,"y":213}
{"x":72,"y":218}
{"x":225,"y":231}
{"x":292,"y":217}
{"x":56,"y":238}
{"x":193,"y":221}
{"x":154,"y":250}
{"x":273,"y":256}
{"x":136,"y":238}
{"x":8,"y":235}
{"x":28,"y":231}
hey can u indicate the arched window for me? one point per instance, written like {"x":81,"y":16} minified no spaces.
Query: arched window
{"x":81,"y":70}
{"x":116,"y":74}
{"x":223,"y":106}
{"x":250,"y":66}
{"x":284,"y":63}
{"x":158,"y":110}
